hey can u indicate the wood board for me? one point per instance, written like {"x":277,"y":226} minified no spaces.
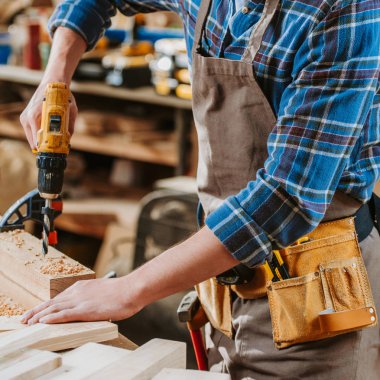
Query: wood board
{"x":10,"y":323}
{"x":22,"y":265}
{"x":19,"y":292}
{"x":57,"y":337}
{"x":146,"y":361}
{"x":184,"y":374}
{"x":28,"y":364}
{"x":23,"y":338}
{"x":85,"y":361}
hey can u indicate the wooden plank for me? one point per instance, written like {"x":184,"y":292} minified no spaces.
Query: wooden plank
{"x":22,"y":262}
{"x":10,"y":323}
{"x":182,"y":374}
{"x":121,"y":342}
{"x":19,"y":292}
{"x":28,"y":364}
{"x":71,"y":335}
{"x":63,"y":336}
{"x":85,"y":361}
{"x":16,"y":340}
{"x":146,"y":361}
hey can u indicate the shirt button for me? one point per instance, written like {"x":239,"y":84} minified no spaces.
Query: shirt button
{"x":244,"y":10}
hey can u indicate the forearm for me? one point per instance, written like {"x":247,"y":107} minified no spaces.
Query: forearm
{"x":67,"y":49}
{"x":196,"y":259}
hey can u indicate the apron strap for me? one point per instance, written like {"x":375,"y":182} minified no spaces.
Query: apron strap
{"x":256,"y":38}
{"x":200,"y":24}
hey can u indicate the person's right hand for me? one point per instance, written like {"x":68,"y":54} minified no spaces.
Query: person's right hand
{"x":31,"y":116}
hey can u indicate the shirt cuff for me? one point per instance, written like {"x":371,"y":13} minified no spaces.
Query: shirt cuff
{"x":83,"y":18}
{"x":239,"y":233}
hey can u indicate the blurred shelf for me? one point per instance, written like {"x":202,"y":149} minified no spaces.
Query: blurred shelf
{"x":158,"y":152}
{"x":22,"y":75}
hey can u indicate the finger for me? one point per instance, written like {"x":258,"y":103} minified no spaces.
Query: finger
{"x":29,"y":314}
{"x":35,"y":126}
{"x":63,"y":316}
{"x":55,"y":308}
{"x":73,"y":116}
{"x":28,"y":133}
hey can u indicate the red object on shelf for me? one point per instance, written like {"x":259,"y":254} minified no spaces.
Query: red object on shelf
{"x":32,"y":59}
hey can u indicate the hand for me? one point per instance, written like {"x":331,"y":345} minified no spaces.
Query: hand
{"x":31,"y":117}
{"x":89,"y":300}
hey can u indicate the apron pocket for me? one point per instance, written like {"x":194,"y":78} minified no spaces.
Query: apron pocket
{"x":295,"y":305}
{"x":349,"y":301}
{"x":332,"y":301}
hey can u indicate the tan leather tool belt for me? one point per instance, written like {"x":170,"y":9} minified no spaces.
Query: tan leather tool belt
{"x":328,"y":292}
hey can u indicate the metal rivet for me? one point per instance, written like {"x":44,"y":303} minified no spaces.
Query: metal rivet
{"x":244,"y":10}
{"x":371,"y":310}
{"x":316,"y":274}
{"x":372,"y":319}
{"x":353,"y":265}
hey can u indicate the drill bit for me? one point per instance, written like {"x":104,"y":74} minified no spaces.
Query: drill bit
{"x":46,"y":228}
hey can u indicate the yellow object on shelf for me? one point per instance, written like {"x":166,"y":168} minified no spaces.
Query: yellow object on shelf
{"x":183,"y":91}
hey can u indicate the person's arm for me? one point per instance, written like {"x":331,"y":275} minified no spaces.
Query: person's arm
{"x":77,"y":25}
{"x":323,"y":119}
{"x":198,"y":258}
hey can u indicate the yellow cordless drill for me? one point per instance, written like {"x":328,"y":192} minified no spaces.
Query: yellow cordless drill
{"x":53,"y":145}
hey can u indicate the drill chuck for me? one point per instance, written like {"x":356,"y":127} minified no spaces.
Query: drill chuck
{"x":51,"y":167}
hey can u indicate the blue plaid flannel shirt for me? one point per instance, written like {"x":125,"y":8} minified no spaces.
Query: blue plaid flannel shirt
{"x":319,"y":66}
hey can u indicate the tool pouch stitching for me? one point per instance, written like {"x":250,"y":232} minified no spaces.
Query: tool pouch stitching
{"x":295,"y":304}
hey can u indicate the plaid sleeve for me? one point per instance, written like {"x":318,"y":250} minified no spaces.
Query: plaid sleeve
{"x":90,"y":18}
{"x":321,"y":117}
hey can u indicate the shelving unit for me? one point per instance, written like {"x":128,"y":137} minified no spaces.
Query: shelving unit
{"x":162,"y":153}
{"x":159,"y":152}
{"x":26,"y":76}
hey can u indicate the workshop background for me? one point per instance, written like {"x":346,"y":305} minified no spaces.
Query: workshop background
{"x":129,"y":190}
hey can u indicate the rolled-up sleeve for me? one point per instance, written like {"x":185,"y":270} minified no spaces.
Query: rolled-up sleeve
{"x":90,"y":18}
{"x":321,"y":117}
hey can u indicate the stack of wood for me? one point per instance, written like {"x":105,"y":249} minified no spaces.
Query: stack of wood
{"x":92,"y":349}
{"x":26,"y":354}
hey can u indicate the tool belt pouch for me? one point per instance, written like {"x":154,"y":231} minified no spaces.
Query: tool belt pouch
{"x":328,"y":293}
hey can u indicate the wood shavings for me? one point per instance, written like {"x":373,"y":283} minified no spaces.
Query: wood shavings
{"x":60,"y":267}
{"x":9,"y":308}
{"x":12,"y":237}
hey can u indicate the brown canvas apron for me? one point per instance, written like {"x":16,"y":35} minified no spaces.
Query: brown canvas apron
{"x":233,"y":120}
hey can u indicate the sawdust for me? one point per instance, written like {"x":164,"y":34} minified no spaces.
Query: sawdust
{"x":9,"y":308}
{"x":13,"y":237}
{"x":54,"y":266}
{"x":61,"y":266}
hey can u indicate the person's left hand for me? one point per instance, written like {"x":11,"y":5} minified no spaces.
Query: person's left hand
{"x":89,"y":300}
